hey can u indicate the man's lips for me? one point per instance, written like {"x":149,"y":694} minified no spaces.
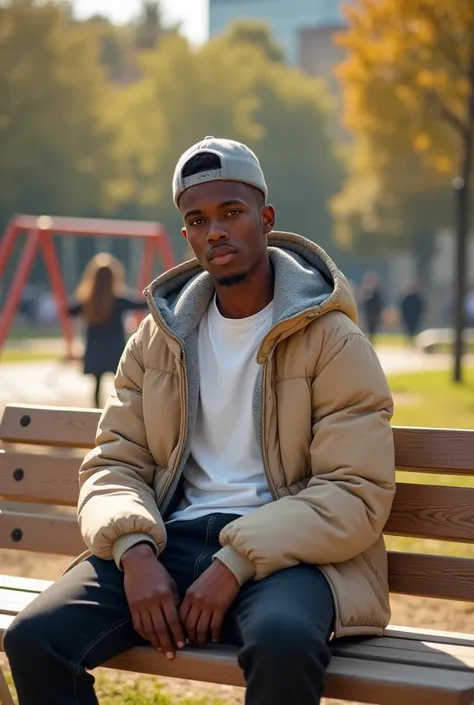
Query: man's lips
{"x":222,"y":254}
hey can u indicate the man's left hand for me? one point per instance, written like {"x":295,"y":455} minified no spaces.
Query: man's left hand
{"x":207,"y":602}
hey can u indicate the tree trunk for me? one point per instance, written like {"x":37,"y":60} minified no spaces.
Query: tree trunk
{"x":462,"y":187}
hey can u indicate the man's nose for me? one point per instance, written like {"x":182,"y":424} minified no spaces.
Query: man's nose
{"x":216,"y":233}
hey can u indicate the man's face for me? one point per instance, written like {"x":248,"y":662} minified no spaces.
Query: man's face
{"x":226,"y":225}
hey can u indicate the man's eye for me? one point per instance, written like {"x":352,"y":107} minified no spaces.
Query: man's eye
{"x":196,"y":221}
{"x":234,"y":211}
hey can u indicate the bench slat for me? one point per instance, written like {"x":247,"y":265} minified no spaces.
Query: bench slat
{"x":41,"y":534}
{"x":12,"y":582}
{"x":425,"y":449}
{"x":370,"y":681}
{"x":409,"y":573}
{"x":435,"y":636}
{"x":428,"y":511}
{"x":435,"y":450}
{"x":423,"y":511}
{"x":49,"y":425}
{"x":443,"y":577}
{"x":45,"y":478}
{"x":425,"y":654}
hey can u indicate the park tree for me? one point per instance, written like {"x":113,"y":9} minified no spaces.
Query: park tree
{"x":149,"y":26}
{"x":409,"y":89}
{"x":55,"y":139}
{"x":257,"y":34}
{"x":229,"y":89}
{"x":379,"y":210}
{"x":113,"y":45}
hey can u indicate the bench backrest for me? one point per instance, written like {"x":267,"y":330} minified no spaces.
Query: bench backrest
{"x":43,"y":448}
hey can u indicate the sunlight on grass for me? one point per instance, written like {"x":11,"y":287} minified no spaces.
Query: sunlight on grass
{"x":20,"y":355}
{"x":431,"y":399}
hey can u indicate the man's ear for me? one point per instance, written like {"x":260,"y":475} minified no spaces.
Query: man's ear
{"x":268,"y":217}
{"x":184,"y":233}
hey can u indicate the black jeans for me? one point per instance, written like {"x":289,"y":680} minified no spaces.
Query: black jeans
{"x":281,"y":624}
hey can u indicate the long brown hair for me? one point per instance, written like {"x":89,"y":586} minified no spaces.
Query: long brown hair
{"x":102,"y":282}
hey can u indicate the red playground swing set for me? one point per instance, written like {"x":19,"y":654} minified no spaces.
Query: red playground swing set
{"x":39,"y":236}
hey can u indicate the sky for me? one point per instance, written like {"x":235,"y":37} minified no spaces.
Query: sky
{"x":192,"y":13}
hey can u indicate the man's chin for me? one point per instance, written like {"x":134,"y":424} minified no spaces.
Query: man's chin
{"x":231,"y":279}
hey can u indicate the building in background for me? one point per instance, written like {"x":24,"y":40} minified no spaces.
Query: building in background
{"x":304,"y":28}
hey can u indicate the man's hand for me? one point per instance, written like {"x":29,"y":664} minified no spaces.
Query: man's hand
{"x":206,"y":603}
{"x":153,"y":599}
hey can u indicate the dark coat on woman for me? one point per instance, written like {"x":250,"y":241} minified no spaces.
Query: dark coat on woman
{"x":105,"y":341}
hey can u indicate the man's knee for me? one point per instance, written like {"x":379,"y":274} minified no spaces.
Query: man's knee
{"x":19,"y":637}
{"x":288,"y":644}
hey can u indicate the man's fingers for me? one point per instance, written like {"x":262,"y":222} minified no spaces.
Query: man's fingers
{"x":149,"y":631}
{"x":202,"y":628}
{"x":174,"y":624}
{"x":162,"y":632}
{"x":138,"y":624}
{"x":191,"y":624}
{"x":174,"y":589}
{"x":216,"y":625}
{"x":184,"y":610}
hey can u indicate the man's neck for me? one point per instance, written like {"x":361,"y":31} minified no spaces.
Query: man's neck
{"x":249,"y":297}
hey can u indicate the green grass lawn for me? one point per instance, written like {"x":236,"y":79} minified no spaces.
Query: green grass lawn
{"x":431,"y":399}
{"x":20,"y":332}
{"x":390,"y":340}
{"x":26,"y":355}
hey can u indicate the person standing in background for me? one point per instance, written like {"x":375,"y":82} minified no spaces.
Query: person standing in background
{"x":371,"y":301}
{"x":411,"y":307}
{"x":102,"y":300}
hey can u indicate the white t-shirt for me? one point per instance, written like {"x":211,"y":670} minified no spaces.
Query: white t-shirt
{"x":225,"y":470}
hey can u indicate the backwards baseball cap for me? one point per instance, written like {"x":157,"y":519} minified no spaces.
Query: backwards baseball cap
{"x":236,"y":163}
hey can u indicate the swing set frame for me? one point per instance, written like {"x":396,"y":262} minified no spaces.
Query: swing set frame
{"x":40,"y":231}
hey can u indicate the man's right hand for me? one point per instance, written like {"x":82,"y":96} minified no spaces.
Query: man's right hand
{"x":152,"y":597}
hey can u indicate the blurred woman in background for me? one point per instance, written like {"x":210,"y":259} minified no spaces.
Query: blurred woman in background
{"x":102,"y":300}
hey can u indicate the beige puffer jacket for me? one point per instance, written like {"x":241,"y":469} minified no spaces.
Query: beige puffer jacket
{"x":322,"y":412}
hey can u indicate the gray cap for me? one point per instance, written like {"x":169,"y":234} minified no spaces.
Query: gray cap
{"x":238,"y":163}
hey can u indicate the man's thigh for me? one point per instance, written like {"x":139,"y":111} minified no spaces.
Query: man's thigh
{"x":295,"y":601}
{"x":83,"y":616}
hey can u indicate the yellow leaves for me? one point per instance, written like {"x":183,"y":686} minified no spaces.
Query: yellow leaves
{"x":405,"y":70}
{"x":426,"y":79}
{"x":444,"y":165}
{"x":422,"y":142}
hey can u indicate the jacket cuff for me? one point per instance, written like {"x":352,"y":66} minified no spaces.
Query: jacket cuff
{"x":124,"y":543}
{"x":242,"y":568}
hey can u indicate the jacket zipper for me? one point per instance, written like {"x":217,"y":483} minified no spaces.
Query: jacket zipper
{"x":266,"y":467}
{"x":184,"y":401}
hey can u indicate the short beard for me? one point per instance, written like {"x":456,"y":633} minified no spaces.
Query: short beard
{"x":232,"y":280}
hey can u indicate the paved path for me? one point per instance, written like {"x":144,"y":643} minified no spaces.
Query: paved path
{"x":63,"y":383}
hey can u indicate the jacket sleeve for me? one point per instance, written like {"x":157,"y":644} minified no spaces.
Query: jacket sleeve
{"x":347,"y":501}
{"x":117,"y":506}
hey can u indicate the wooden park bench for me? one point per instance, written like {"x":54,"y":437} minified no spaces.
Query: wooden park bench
{"x":39,"y":464}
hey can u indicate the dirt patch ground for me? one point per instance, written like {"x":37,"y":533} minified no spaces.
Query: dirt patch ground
{"x":409,"y":611}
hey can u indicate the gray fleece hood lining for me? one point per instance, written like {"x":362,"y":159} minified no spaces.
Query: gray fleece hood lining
{"x":305,"y":278}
